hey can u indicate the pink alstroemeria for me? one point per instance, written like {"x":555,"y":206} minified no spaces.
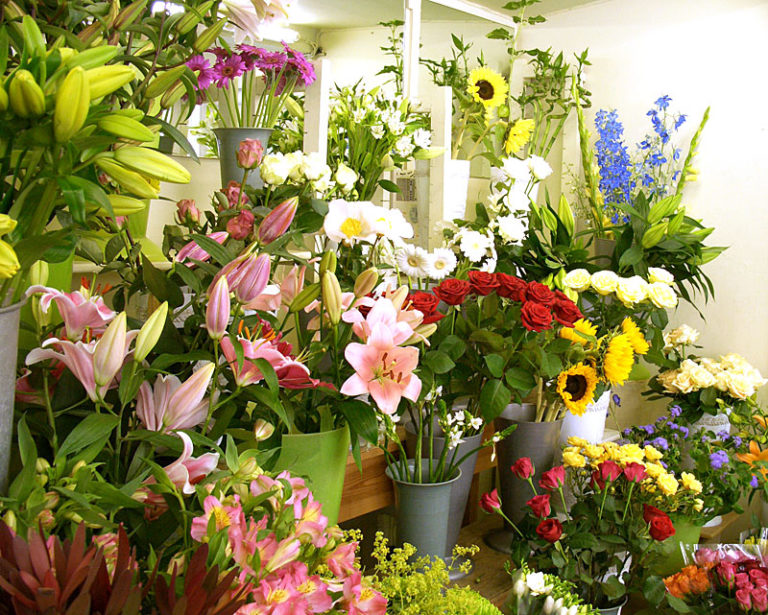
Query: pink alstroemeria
{"x":341,"y":561}
{"x":360,"y":599}
{"x":192,"y":251}
{"x":383,"y":314}
{"x":276,"y":596}
{"x":170,"y":404}
{"x":247,"y":276}
{"x":313,"y":523}
{"x":382,"y":369}
{"x":287,"y":551}
{"x":80,"y":309}
{"x":314,"y":590}
{"x":224,"y":515}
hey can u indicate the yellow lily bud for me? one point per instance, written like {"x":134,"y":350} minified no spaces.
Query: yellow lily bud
{"x":150,"y":332}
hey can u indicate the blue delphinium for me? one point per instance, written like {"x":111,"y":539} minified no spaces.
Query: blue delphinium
{"x":718,"y":459}
{"x":616,"y":182}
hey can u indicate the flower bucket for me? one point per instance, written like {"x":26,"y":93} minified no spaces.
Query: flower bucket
{"x":537,"y":440}
{"x":321,"y":458}
{"x":229,"y":140}
{"x":713,"y":422}
{"x":422,"y":512}
{"x":456,"y":189}
{"x":613,"y":610}
{"x":671,"y":560}
{"x":590,"y":425}
{"x":9,"y":333}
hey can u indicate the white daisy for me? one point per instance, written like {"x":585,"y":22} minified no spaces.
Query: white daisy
{"x":412,"y":261}
{"x":474,"y":245}
{"x":441,"y":263}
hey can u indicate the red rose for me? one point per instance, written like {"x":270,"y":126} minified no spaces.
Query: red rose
{"x":635,"y":472}
{"x":609,"y":470}
{"x":661,"y":527}
{"x":550,"y":530}
{"x":540,"y":505}
{"x":566,"y":311}
{"x":510,"y":287}
{"x":426,"y":303}
{"x":452,"y":291}
{"x":523,"y":468}
{"x":483,"y":283}
{"x":490,"y":502}
{"x":535,"y":316}
{"x":552,"y":479}
{"x":540,"y":293}
{"x":651,"y":512}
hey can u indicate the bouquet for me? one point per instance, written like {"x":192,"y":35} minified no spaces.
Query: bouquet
{"x":535,"y":593}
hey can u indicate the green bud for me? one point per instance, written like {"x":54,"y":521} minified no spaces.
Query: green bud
{"x":328,"y":262}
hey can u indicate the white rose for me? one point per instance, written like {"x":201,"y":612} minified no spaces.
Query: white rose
{"x":511,"y":229}
{"x":577,"y":279}
{"x":274,"y":169}
{"x":740,"y":386}
{"x":721,"y":381}
{"x":662,"y":295}
{"x":295,"y":162}
{"x":667,"y":380}
{"x":313,"y":167}
{"x":734,"y":361}
{"x":684,"y":335}
{"x":539,"y":167}
{"x":712,"y":366}
{"x":345,"y":177}
{"x":604,"y":282}
{"x":657,"y":274}
{"x":631,"y":290}
{"x":701,"y":377}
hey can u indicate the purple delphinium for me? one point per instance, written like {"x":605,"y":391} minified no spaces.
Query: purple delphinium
{"x":627,"y":432}
{"x":718,"y":459}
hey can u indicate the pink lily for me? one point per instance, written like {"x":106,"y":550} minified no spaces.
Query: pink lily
{"x":269,"y":300}
{"x":360,"y":599}
{"x":383,"y":370}
{"x":171,"y":405}
{"x":217,"y":311}
{"x":282,"y":293}
{"x":194,"y":252}
{"x":224,"y":515}
{"x":384,"y":313}
{"x":80,"y":309}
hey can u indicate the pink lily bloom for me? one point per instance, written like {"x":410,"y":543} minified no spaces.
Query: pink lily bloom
{"x":80,"y":309}
{"x":27,"y":393}
{"x":224,"y":515}
{"x":382,"y":370}
{"x":194,"y":252}
{"x":280,"y":293}
{"x":269,"y":300}
{"x":361,"y":599}
{"x":170,"y":405}
{"x":384,"y":314}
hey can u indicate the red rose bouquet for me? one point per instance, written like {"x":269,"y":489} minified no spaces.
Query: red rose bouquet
{"x":618,"y":521}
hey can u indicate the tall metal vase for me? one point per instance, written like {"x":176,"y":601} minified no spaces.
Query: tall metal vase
{"x":537,"y":440}
{"x":229,"y":140}
{"x":9,"y":334}
{"x":422,"y":512}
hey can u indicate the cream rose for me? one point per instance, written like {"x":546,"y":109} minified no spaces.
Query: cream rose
{"x":657,"y":274}
{"x":701,"y":377}
{"x":631,"y":290}
{"x":578,"y":280}
{"x":667,"y":379}
{"x":712,"y":366}
{"x":662,"y":295}
{"x":681,"y":336}
{"x":684,"y":383}
{"x":604,"y":282}
{"x":740,"y":386}
{"x":721,"y":381}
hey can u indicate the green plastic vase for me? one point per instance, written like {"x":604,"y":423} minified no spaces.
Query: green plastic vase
{"x":671,"y":560}
{"x":321,"y":458}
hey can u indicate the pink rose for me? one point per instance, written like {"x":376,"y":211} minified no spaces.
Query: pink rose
{"x":241,"y":225}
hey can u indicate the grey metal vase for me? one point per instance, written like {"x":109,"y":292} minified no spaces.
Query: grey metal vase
{"x":422,"y":512}
{"x":537,"y":440}
{"x":9,"y":334}
{"x":229,"y":140}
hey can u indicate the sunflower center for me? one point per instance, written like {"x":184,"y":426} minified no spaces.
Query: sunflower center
{"x":351,"y":227}
{"x":576,"y":386}
{"x":485,"y":89}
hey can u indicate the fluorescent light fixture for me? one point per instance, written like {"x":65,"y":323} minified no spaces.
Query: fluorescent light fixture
{"x":167,"y":7}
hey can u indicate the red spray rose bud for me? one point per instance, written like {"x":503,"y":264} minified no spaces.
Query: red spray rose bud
{"x":250,"y":153}
{"x":535,"y":316}
{"x":426,"y":303}
{"x":552,"y":479}
{"x":539,"y":505}
{"x":241,"y":225}
{"x":550,"y":530}
{"x":649,"y":512}
{"x":510,"y":287}
{"x":523,"y":468}
{"x":540,"y":293}
{"x":489,"y":502}
{"x":483,"y":283}
{"x":660,"y":527}
{"x":277,"y":221}
{"x":452,"y":291}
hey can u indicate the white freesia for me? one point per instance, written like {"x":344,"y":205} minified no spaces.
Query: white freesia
{"x":536,"y":583}
{"x":413,"y":261}
{"x":511,"y":229}
{"x":474,"y":245}
{"x":441,"y":263}
{"x":539,"y":167}
{"x":350,"y":222}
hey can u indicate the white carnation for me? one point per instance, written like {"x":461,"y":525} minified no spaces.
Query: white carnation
{"x":539,"y":167}
{"x":511,"y":229}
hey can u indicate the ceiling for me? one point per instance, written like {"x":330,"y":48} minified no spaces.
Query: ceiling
{"x":324,"y":14}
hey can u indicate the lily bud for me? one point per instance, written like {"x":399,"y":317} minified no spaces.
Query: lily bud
{"x":10,"y":520}
{"x":277,"y":221}
{"x":247,"y":276}
{"x":328,"y":262}
{"x":150,"y":332}
{"x":332,"y":301}
{"x":41,"y":465}
{"x":366,"y":282}
{"x":109,"y":354}
{"x":263,"y":430}
{"x":420,"y":333}
{"x":38,"y":274}
{"x":217,"y":311}
{"x":399,"y":297}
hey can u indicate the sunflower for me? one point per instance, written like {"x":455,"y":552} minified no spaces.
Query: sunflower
{"x":518,"y":135}
{"x":576,"y":386}
{"x":619,"y":359}
{"x":582,"y":325}
{"x":487,"y":87}
{"x":636,"y":337}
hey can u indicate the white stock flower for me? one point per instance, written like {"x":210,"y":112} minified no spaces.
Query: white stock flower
{"x":441,"y":263}
{"x":577,"y":279}
{"x":350,"y":222}
{"x":659,"y":274}
{"x":539,"y":167}
{"x":474,"y":245}
{"x":511,"y":229}
{"x":422,"y":138}
{"x":413,"y":261}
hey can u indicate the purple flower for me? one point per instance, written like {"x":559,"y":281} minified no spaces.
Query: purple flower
{"x":683,"y":430}
{"x":616,"y":400}
{"x":675,"y":411}
{"x":204,"y":71}
{"x":661,"y":419}
{"x":627,"y":432}
{"x":663,"y":465}
{"x":672,"y":425}
{"x":718,"y":459}
{"x":649,"y":429}
{"x":226,"y":70}
{"x":660,"y":443}
{"x":270,"y":61}
{"x":305,"y":70}
{"x":754,"y":483}
{"x":737,"y":441}
{"x":723,"y":435}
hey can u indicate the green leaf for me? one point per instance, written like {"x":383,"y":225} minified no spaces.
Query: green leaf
{"x":164,"y":361}
{"x":388,"y":185}
{"x":493,"y":340}
{"x":230,"y":454}
{"x":613,"y":588}
{"x":93,"y":428}
{"x":520,"y":379}
{"x":631,"y":257}
{"x":188,"y":277}
{"x":362,"y":419}
{"x":495,"y":365}
{"x":654,"y":589}
{"x":74,"y":197}
{"x":25,"y":480}
{"x":159,"y":285}
{"x":439,"y":362}
{"x":218,"y":252}
{"x":453,"y":346}
{"x":494,"y":397}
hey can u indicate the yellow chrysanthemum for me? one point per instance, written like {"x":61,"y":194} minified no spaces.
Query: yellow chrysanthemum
{"x":580,"y":326}
{"x":574,"y":460}
{"x":572,"y":449}
{"x":690,"y":482}
{"x":518,"y":135}
{"x":652,"y":453}
{"x":636,"y":337}
{"x":488,"y":87}
{"x":619,"y":360}
{"x":667,"y":484}
{"x":576,"y":387}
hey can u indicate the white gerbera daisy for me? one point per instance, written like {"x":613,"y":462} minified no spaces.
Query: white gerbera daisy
{"x":474,"y":245}
{"x":441,"y":263}
{"x":412,"y":261}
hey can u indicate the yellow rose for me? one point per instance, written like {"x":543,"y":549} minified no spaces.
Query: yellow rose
{"x":578,"y":280}
{"x":667,"y":484}
{"x":604,"y":282}
{"x":632,"y":452}
{"x":631,"y":290}
{"x":658,"y":274}
{"x":652,"y":454}
{"x":662,"y":295}
{"x":574,"y":460}
{"x":593,"y":452}
{"x":576,"y":441}
{"x":655,"y":470}
{"x":690,"y":482}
